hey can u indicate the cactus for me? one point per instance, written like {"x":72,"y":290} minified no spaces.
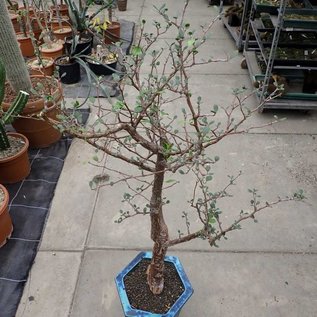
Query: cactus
{"x":16,"y":108}
{"x":10,"y":53}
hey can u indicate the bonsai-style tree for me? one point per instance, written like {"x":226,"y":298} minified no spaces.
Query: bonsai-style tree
{"x":159,"y":126}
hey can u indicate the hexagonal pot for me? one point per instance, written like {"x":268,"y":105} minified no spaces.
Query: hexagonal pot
{"x":177,"y":306}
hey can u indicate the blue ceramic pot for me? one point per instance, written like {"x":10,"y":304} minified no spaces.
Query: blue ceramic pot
{"x":178,"y":305}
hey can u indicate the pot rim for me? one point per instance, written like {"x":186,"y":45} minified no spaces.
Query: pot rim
{"x":63,"y":56}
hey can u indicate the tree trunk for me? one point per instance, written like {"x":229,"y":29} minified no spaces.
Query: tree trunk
{"x":159,"y":231}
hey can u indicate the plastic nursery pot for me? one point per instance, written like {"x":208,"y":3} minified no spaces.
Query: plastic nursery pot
{"x":69,"y":71}
{"x":174,"y":310}
{"x":122,"y":5}
{"x":83,"y":47}
{"x":37,"y":69}
{"x":53,"y":51}
{"x":112,"y":33}
{"x":62,"y":33}
{"x":101,"y":69}
{"x":6,"y":226}
{"x":26,"y":45}
{"x":16,"y":167}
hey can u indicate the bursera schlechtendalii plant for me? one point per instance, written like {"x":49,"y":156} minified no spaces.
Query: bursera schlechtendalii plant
{"x":160,"y":127}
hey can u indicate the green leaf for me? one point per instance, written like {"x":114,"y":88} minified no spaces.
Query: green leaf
{"x":208,"y":178}
{"x":190,"y":42}
{"x":170,"y":181}
{"x":138,"y":109}
{"x":136,"y":51}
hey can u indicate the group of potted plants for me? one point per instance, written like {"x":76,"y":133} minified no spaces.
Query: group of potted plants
{"x":59,"y":34}
{"x":161,"y":142}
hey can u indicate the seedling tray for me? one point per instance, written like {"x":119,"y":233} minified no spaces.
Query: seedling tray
{"x":273,"y":9}
{"x":300,"y":23}
{"x":295,"y":61}
{"x":290,"y":95}
{"x":297,"y":39}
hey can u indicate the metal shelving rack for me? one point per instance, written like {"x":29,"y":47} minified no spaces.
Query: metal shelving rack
{"x":238,"y":38}
{"x":254,"y":69}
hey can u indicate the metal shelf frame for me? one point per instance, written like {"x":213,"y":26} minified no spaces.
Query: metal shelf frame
{"x":269,"y":61}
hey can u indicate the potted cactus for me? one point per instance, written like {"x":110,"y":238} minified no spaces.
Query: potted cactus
{"x":14,"y":161}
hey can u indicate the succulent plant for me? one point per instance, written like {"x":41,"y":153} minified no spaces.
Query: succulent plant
{"x":16,"y":107}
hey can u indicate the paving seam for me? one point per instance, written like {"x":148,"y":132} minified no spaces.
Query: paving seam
{"x":184,"y":251}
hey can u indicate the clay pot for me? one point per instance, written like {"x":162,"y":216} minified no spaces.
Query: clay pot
{"x":112,"y":34}
{"x":122,"y":5}
{"x":26,"y":45}
{"x":65,"y":21}
{"x":15,"y":22}
{"x":39,"y":131}
{"x":15,"y":168}
{"x":62,"y":8}
{"x":36,"y":69}
{"x":60,"y":34}
{"x":6,"y":226}
{"x":55,"y":51}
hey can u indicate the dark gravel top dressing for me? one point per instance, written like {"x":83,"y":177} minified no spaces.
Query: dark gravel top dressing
{"x":140,"y":296}
{"x":16,"y":146}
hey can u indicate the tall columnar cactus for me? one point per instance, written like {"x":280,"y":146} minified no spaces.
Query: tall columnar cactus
{"x":10,"y":53}
{"x":16,"y":108}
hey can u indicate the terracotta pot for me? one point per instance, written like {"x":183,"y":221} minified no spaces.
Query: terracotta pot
{"x":26,"y":45}
{"x":6,"y":226}
{"x":36,"y":69}
{"x":112,"y":34}
{"x":15,"y":22}
{"x":62,"y":8}
{"x":31,"y":10}
{"x":122,"y":5}
{"x":65,"y":21}
{"x":55,"y":51}
{"x":60,"y":34}
{"x":40,"y":132}
{"x":15,"y":168}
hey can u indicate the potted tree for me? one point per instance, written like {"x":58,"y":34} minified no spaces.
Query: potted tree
{"x":109,"y":29}
{"x":14,"y":161}
{"x":102,"y":61}
{"x":159,"y":129}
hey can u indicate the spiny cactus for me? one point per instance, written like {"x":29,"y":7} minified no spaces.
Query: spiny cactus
{"x":16,"y":108}
{"x":10,"y":53}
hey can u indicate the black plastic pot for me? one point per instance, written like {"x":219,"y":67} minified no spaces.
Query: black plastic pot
{"x":82,"y":48}
{"x":68,"y":73}
{"x":101,"y":69}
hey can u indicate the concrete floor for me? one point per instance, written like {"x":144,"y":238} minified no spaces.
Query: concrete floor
{"x":267,"y":269}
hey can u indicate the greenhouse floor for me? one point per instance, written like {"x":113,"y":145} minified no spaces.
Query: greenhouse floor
{"x":266,"y":269}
